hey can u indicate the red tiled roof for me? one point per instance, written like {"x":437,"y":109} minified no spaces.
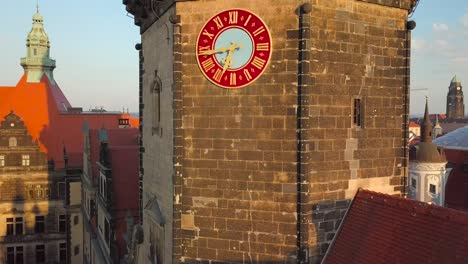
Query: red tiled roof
{"x":413,"y":124}
{"x":456,"y":190}
{"x":380,"y":228}
{"x":42,"y":108}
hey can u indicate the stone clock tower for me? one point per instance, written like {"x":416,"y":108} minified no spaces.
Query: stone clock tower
{"x":455,"y":104}
{"x":261,"y":119}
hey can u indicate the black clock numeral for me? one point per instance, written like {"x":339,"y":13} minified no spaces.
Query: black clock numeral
{"x":208,"y":65}
{"x":263,"y":46}
{"x":259,"y":63}
{"x":247,"y":75}
{"x":259,"y":31}
{"x":233,"y":78}
{"x":208,"y":34}
{"x":218,"y":22}
{"x":233,"y":15}
{"x":247,"y":20}
{"x":218,"y":74}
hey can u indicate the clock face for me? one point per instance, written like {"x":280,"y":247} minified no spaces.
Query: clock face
{"x":233,"y":48}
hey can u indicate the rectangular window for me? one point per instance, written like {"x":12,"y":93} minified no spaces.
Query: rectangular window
{"x":413,"y":183}
{"x":40,"y":224}
{"x":2,"y":161}
{"x":14,"y":226}
{"x":62,"y":223}
{"x":19,"y":225}
{"x":10,"y":226}
{"x":10,"y":255}
{"x":357,"y":112}
{"x":61,"y":190}
{"x":25,"y":160}
{"x":76,"y":250}
{"x":432,"y":188}
{"x":15,"y":255}
{"x":40,"y":254}
{"x":63,"y":253}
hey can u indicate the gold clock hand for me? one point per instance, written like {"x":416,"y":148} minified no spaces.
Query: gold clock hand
{"x":227,"y":62}
{"x":209,"y":52}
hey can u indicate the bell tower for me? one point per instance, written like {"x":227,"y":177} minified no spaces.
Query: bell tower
{"x":37,"y":61}
{"x":455,"y":105}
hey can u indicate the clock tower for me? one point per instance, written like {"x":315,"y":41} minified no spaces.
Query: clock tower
{"x":261,"y":120}
{"x":455,"y":104}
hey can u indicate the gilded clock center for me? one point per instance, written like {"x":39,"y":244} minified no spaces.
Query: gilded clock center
{"x":240,"y":56}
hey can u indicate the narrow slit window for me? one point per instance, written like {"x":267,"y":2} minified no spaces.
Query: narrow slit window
{"x":357,"y":112}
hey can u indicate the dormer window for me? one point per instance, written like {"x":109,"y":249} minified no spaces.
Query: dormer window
{"x":432,"y":189}
{"x":12,"y":142}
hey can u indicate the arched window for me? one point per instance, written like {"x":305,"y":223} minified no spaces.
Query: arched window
{"x":12,"y":142}
{"x":156,"y":88}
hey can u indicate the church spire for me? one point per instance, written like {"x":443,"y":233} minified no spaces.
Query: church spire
{"x":426,"y":127}
{"x":37,"y":61}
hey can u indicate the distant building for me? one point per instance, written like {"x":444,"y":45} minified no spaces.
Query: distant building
{"x":381,"y":228}
{"x":110,"y":192}
{"x":41,"y":157}
{"x":455,"y":146}
{"x":455,"y":103}
{"x":427,"y":173}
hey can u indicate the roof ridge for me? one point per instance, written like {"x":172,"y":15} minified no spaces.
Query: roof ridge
{"x":414,"y":207}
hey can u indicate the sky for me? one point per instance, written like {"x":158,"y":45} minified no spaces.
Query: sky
{"x":93,"y":43}
{"x":97,"y":64}
{"x":439,"y":51}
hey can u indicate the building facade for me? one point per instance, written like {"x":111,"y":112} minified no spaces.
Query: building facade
{"x":455,"y":100}
{"x":110,"y":193}
{"x":427,"y":172}
{"x":41,"y":158}
{"x":33,"y":224}
{"x":261,"y":119}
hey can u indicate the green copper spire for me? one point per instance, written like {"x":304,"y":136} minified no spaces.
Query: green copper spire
{"x":37,"y":61}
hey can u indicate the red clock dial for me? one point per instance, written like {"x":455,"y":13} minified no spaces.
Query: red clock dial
{"x":233,"y":48}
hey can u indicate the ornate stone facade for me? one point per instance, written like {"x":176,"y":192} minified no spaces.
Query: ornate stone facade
{"x":33,"y":218}
{"x":264,"y":174}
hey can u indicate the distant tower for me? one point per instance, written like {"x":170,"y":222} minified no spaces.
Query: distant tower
{"x":428,"y":177}
{"x":37,"y":61}
{"x":437,"y":130}
{"x":455,"y":105}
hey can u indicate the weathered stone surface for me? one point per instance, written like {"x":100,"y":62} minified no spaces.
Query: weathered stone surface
{"x":233,"y":154}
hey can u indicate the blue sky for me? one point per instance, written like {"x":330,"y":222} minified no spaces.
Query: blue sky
{"x":439,"y":51}
{"x":97,"y":65}
{"x":92,"y":41}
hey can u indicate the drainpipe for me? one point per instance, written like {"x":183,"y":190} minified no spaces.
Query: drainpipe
{"x":302,"y":120}
{"x":410,"y":25}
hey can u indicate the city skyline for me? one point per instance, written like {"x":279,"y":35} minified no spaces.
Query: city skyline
{"x":94,"y":50}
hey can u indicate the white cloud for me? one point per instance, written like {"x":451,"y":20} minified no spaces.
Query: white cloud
{"x":438,"y":27}
{"x":418,"y":45}
{"x":464,"y":20}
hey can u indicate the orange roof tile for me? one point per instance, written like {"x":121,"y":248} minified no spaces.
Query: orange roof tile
{"x":42,"y":108}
